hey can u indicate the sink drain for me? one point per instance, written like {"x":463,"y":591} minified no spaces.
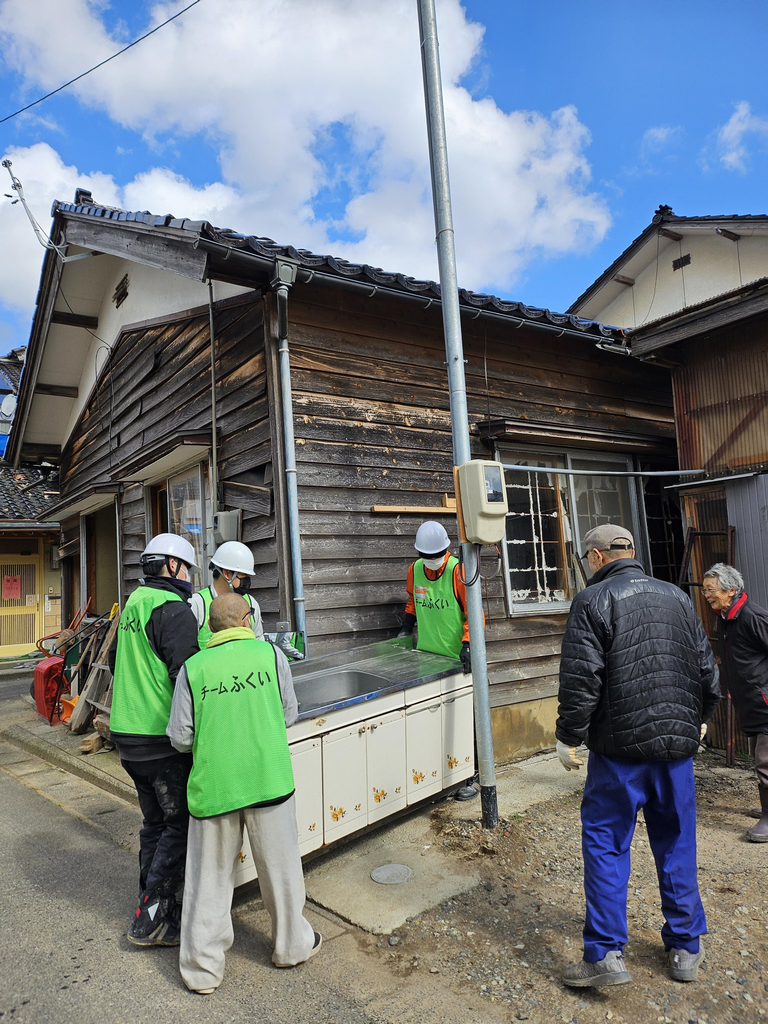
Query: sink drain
{"x":391,"y":874}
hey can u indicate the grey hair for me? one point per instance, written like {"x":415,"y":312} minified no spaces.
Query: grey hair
{"x":727,"y":577}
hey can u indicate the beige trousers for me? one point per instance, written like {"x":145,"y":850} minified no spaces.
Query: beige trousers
{"x":206,"y":922}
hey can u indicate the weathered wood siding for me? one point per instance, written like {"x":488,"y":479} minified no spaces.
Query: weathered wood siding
{"x":157,"y":386}
{"x":372,"y":428}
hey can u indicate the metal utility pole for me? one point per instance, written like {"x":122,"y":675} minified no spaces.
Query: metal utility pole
{"x":454,"y":350}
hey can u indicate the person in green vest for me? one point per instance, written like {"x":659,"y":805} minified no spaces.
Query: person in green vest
{"x":231,"y":708}
{"x":437,"y":606}
{"x":156,"y":634}
{"x":232,"y":568}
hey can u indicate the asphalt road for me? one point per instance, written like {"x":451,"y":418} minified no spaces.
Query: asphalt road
{"x":68,"y":875}
{"x":67,"y":894}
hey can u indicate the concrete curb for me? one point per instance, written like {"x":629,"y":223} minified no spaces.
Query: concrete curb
{"x":54,"y":755}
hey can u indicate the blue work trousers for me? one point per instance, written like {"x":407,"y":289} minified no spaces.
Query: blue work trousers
{"x":615,"y":790}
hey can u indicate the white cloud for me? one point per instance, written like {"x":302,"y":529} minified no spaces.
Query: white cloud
{"x":263,"y":83}
{"x":658,"y":138}
{"x":731,"y":137}
{"x":44,"y":177}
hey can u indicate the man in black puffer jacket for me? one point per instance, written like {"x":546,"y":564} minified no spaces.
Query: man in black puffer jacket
{"x":637,"y":681}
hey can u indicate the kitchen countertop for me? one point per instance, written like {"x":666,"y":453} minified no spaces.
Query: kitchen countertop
{"x":340,"y":680}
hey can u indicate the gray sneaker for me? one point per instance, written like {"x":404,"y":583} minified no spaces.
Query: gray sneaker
{"x":611,"y":970}
{"x":684,"y":966}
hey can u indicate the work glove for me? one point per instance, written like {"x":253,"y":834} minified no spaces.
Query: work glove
{"x":703,"y":732}
{"x":409,"y":621}
{"x":568,"y":757}
{"x":466,"y":658}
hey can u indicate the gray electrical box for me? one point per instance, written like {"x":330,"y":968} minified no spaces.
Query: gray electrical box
{"x":226,"y":526}
{"x":483,"y":497}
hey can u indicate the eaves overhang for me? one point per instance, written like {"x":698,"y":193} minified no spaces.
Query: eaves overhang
{"x":710,"y":315}
{"x":83,"y":501}
{"x":138,"y":238}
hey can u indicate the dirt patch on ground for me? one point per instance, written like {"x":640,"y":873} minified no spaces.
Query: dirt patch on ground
{"x":509,"y":939}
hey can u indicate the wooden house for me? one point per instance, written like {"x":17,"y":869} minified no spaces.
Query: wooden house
{"x":118,"y":392}
{"x":692,"y":296}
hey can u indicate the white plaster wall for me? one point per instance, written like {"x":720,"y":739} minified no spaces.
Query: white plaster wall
{"x":713,"y":270}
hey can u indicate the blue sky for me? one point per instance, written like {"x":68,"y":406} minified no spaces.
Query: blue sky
{"x":301,"y":120}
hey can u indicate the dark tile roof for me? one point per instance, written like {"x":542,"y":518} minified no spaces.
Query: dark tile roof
{"x":331,"y":265}
{"x":19,"y":501}
{"x":10,"y":374}
{"x":663,"y":215}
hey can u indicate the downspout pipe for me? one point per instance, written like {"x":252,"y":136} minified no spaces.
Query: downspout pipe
{"x":214,"y":417}
{"x":454,"y":354}
{"x":283,"y":276}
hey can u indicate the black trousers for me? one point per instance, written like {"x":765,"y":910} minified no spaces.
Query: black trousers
{"x":161,"y":786}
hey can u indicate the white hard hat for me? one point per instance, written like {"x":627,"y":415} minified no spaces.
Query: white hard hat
{"x":234,"y":556}
{"x":431,"y":539}
{"x":174,"y":547}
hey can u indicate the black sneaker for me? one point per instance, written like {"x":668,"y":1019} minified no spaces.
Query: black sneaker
{"x":469,"y":790}
{"x":155,"y":923}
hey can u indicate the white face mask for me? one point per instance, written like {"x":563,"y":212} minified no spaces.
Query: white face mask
{"x":434,"y":563}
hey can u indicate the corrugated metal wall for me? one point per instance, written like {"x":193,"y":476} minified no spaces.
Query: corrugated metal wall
{"x":721,"y":401}
{"x":748,"y":512}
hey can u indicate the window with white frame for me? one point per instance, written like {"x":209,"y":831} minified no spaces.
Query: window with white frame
{"x":549,"y":515}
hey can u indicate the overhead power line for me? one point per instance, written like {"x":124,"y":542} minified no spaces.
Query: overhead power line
{"x":101,"y":64}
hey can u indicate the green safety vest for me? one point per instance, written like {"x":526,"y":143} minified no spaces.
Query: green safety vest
{"x":205,"y":632}
{"x":142,"y":690}
{"x":240,"y":751}
{"x":439,"y":615}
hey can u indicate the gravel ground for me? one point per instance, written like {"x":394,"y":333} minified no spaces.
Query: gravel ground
{"x":510,"y":938}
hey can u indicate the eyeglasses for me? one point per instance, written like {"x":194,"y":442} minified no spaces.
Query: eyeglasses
{"x":709,"y":591}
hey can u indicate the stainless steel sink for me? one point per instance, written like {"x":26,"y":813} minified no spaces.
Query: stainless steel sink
{"x":334,"y":686}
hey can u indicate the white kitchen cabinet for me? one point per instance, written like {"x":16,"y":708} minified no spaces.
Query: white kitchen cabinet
{"x":458,"y":750}
{"x":385,"y":756}
{"x":423,"y":741}
{"x":307,"y":759}
{"x":345,"y":781}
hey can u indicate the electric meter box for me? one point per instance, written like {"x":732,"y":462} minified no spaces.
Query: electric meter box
{"x":483,"y":497}
{"x":226,"y":526}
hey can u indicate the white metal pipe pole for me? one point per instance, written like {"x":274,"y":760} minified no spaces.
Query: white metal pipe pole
{"x":454,"y":349}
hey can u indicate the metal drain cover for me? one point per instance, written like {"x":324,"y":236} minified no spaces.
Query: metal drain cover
{"x":391,"y":874}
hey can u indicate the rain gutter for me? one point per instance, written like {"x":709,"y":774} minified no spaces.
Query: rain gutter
{"x":263,"y":264}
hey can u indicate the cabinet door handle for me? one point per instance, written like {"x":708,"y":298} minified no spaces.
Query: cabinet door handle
{"x":374,"y":726}
{"x":451,"y":701}
{"x":361,"y":730}
{"x":435,"y":707}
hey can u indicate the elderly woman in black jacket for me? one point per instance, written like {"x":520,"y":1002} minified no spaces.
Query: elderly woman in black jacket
{"x":742,"y":633}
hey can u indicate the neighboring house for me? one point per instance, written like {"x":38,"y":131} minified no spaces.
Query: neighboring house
{"x":117,"y":391}
{"x":676,"y":263}
{"x":717,"y":353}
{"x":692,"y":295}
{"x":10,"y":378}
{"x":700,"y":309}
{"x":30,"y":594}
